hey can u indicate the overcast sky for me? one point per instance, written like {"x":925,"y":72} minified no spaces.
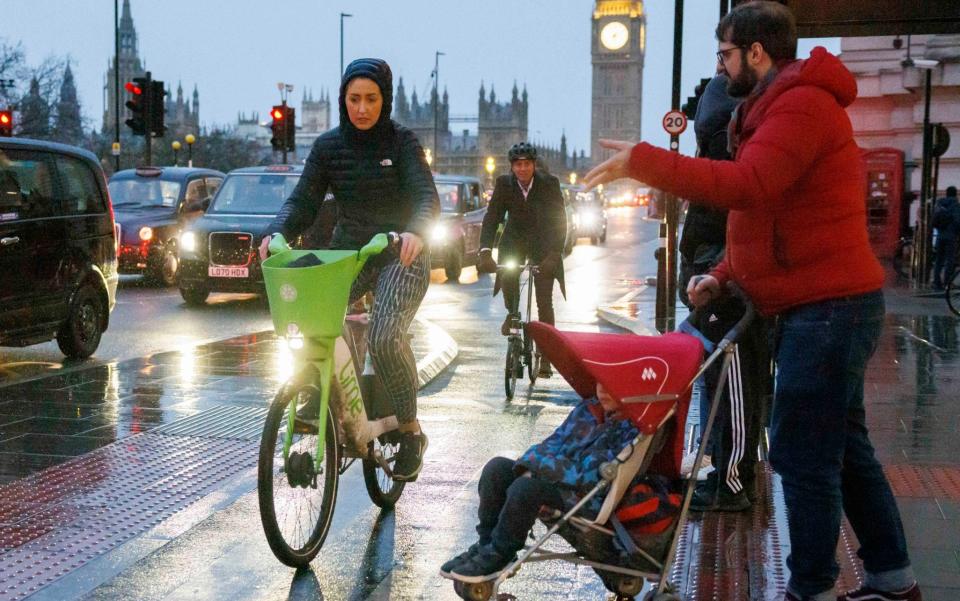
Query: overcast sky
{"x":236,"y":51}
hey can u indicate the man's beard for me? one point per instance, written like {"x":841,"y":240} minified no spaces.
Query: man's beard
{"x":745,"y":81}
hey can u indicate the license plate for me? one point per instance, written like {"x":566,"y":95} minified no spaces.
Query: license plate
{"x":217,"y":271}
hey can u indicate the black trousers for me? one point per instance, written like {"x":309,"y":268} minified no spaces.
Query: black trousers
{"x":509,"y":505}
{"x":745,"y":398}
{"x":542,"y":287}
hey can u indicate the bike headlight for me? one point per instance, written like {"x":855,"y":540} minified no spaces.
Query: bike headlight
{"x":146,"y":233}
{"x":294,"y":337}
{"x":439,"y":233}
{"x":510,"y":264}
{"x":588,"y":218}
{"x":188,"y":242}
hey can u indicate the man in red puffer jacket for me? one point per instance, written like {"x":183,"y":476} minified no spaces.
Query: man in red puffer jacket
{"x":797,"y":245}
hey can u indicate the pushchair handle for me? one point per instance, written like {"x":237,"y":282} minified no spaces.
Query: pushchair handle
{"x":732,"y":335}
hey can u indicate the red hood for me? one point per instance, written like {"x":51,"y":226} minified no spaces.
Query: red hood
{"x":822,"y":70}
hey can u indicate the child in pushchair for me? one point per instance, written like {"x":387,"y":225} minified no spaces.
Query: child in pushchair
{"x":605,"y":479}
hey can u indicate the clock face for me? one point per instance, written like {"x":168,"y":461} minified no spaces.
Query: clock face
{"x":614,"y":35}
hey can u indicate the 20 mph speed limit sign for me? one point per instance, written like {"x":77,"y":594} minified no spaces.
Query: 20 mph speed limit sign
{"x":675,"y":122}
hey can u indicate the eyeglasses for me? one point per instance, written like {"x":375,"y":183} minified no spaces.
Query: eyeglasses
{"x":722,"y":54}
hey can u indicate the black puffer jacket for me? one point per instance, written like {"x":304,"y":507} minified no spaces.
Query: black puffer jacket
{"x":379,"y":177}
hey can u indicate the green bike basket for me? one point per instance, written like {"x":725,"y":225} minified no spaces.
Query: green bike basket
{"x":310,"y":301}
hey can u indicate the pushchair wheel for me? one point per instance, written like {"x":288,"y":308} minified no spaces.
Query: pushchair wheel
{"x":473,"y":591}
{"x":629,"y":586}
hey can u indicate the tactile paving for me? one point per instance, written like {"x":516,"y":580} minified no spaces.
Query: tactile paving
{"x":59,"y":519}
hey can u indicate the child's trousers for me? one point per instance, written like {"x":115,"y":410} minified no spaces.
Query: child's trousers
{"x":509,"y":505}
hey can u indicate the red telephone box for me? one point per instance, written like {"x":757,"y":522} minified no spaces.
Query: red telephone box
{"x":883,"y":168}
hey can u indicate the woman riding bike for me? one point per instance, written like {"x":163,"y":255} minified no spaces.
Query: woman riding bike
{"x":379,"y":175}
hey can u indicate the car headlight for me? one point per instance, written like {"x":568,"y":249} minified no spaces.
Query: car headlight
{"x":188,"y":242}
{"x":146,"y":233}
{"x":439,"y":233}
{"x":588,"y":219}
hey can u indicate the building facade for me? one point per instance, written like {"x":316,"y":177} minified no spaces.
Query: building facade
{"x":182,"y":117}
{"x":889,"y":109}
{"x":618,"y":44}
{"x":500,"y":125}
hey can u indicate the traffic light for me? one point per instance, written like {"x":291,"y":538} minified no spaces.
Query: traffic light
{"x":139,"y":105}
{"x":291,"y":131}
{"x":278,"y":114}
{"x":6,"y":123}
{"x":157,"y":108}
{"x":690,"y":107}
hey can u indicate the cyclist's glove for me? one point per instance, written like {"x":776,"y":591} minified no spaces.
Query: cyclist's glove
{"x":486,"y":264}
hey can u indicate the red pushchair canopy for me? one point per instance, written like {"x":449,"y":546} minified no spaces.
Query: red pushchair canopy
{"x":630,"y":366}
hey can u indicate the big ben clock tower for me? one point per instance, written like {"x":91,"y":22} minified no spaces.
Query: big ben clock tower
{"x":618,"y":45}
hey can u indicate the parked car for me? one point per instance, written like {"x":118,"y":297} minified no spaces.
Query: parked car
{"x":152,"y":206}
{"x":455,"y":239}
{"x":58,"y":250}
{"x":218,"y":251}
{"x":569,"y":203}
{"x":590,"y":217}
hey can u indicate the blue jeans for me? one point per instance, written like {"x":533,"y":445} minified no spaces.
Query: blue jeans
{"x":819,"y":442}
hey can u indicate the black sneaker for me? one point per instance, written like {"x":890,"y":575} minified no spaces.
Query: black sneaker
{"x":485,"y":564}
{"x":731,"y":501}
{"x":453,"y":563}
{"x":871,"y":594}
{"x":410,"y":457}
{"x":545,"y":371}
{"x":509,"y":323}
{"x":704,"y":495}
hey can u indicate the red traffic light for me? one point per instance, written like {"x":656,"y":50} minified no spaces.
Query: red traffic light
{"x":6,"y":124}
{"x":276,"y":113}
{"x":133,"y":88}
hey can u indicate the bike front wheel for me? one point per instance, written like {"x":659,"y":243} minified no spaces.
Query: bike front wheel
{"x":514,"y":364}
{"x":952,"y":293}
{"x":384,"y":491}
{"x":296,"y":499}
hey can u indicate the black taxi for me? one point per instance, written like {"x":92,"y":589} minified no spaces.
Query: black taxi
{"x":152,"y":206}
{"x":455,"y":237}
{"x":218,"y":251}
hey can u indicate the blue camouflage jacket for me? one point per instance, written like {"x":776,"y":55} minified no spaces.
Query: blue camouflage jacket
{"x":571,"y":456}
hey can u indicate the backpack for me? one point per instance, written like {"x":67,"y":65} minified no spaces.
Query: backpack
{"x":649,"y":507}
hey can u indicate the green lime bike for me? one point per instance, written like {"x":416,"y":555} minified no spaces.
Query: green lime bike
{"x":332,"y":411}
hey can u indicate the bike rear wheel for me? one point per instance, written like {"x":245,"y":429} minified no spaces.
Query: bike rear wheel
{"x":532,"y":357}
{"x":952,"y":293}
{"x":513,"y":364}
{"x":384,"y":491}
{"x":296,"y":504}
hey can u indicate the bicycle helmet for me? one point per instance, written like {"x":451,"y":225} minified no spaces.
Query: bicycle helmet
{"x":522,"y":150}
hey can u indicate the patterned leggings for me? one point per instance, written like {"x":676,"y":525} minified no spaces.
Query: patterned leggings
{"x":398,"y":292}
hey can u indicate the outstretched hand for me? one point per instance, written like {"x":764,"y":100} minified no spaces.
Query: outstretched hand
{"x":613,"y":168}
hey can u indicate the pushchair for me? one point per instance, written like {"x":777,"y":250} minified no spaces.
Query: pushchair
{"x":653,"y":376}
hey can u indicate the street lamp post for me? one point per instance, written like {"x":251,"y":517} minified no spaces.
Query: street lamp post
{"x":922,"y":244}
{"x":436,"y":102}
{"x":342,"y":17}
{"x":190,"y":139}
{"x":176,"y":149}
{"x":116,"y":84}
